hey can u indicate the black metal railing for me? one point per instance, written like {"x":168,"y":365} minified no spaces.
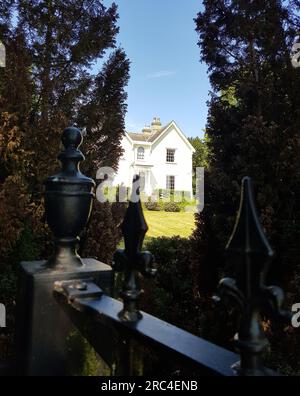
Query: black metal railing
{"x":118,"y":330}
{"x":253,"y":253}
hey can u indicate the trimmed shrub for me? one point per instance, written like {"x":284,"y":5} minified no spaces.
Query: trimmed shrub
{"x":173,"y":195}
{"x":152,"y":205}
{"x":172,"y":207}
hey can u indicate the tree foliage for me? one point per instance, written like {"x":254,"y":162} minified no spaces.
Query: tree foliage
{"x":253,"y":129}
{"x":63,"y":67}
{"x":254,"y":119}
{"x":201,"y":152}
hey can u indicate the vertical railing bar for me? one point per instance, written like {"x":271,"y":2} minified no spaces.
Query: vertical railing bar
{"x":252,"y":252}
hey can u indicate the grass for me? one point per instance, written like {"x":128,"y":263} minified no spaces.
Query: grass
{"x":167,"y":224}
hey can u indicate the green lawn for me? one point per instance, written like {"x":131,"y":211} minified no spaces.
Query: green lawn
{"x":167,"y":224}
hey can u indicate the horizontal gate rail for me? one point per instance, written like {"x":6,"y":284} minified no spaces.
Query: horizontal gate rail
{"x":149,"y":330}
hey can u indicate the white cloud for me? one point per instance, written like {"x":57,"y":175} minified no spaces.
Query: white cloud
{"x":161,"y":74}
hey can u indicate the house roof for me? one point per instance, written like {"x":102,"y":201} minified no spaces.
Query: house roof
{"x":141,"y":137}
{"x":152,"y":137}
{"x":148,"y":137}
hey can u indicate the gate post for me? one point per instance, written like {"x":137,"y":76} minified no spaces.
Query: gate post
{"x":45,"y":335}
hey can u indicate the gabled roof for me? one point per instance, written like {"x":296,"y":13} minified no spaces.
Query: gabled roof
{"x":148,"y":137}
{"x":140,"y":137}
{"x":179,"y":131}
{"x":156,"y":134}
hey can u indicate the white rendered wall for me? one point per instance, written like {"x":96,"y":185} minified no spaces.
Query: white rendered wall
{"x":154,"y":163}
{"x":181,"y":168}
{"x":124,"y":174}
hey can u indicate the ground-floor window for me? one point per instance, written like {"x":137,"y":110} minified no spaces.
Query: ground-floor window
{"x":142,"y":180}
{"x":170,"y":185}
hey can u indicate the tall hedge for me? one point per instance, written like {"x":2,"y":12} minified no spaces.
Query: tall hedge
{"x":50,"y":82}
{"x":253,"y":129}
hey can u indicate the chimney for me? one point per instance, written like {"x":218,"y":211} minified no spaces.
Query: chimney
{"x":147,"y":130}
{"x":155,"y":124}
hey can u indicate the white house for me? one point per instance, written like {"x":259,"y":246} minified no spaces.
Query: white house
{"x":160,"y":155}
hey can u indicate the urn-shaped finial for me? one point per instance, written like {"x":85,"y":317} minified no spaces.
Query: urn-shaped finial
{"x":68,"y":202}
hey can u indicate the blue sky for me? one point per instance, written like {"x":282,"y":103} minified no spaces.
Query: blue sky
{"x":166,"y":78}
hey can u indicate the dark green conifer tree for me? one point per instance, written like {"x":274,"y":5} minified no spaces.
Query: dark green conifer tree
{"x":253,"y":129}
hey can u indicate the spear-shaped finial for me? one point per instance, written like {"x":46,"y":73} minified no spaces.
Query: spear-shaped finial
{"x":252,"y":252}
{"x":132,"y":260}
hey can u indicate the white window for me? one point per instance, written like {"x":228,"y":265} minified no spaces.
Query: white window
{"x":170,"y":155}
{"x":170,"y":184}
{"x":140,"y":153}
{"x":142,"y":180}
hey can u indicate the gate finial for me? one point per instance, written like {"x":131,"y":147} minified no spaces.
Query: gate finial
{"x":68,"y":202}
{"x":252,"y":253}
{"x":132,"y":260}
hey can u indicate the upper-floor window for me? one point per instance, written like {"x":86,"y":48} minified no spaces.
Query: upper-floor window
{"x":170,"y":155}
{"x":140,"y":153}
